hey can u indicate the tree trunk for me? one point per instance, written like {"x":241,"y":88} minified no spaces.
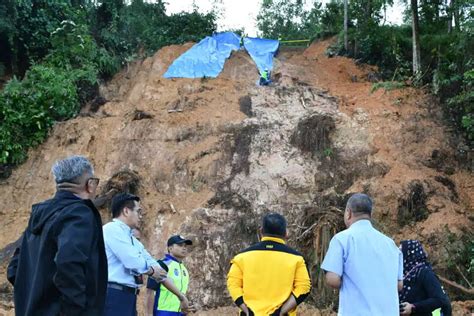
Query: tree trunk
{"x":449,"y":5}
{"x":455,"y":12}
{"x":416,"y":39}
{"x":368,"y":11}
{"x":346,"y":22}
{"x":456,"y":285}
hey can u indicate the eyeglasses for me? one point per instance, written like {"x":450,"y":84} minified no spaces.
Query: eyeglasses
{"x":95,"y":181}
{"x":138,"y":210}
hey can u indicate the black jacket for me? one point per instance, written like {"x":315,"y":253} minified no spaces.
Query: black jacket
{"x":427,"y":295}
{"x":60,"y":267}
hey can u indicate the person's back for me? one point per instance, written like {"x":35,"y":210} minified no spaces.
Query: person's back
{"x":267,"y":275}
{"x":60,"y":266}
{"x":271,"y":270}
{"x":366,"y":265}
{"x":371,"y":269}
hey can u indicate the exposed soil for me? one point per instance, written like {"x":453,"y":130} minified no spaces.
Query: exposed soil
{"x":209,"y":156}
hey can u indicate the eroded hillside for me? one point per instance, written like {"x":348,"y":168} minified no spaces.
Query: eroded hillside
{"x":210,"y":156}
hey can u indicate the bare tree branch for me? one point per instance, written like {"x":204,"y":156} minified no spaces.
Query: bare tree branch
{"x":458,"y":286}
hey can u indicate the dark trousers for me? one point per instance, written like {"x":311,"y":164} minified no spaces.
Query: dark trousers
{"x":120,"y":303}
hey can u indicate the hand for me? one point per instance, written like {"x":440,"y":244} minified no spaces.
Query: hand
{"x":406,"y":308}
{"x":159,"y":273}
{"x":184,"y":305}
{"x":192,"y":308}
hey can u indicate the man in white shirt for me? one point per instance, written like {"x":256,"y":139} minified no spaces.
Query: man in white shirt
{"x":127,"y":258}
{"x":364,"y":264}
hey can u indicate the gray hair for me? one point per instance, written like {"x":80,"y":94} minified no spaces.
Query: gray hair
{"x":71,"y":168}
{"x":360,"y":203}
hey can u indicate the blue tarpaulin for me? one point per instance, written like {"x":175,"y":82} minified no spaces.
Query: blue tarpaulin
{"x":206,"y":58}
{"x":262,"y":51}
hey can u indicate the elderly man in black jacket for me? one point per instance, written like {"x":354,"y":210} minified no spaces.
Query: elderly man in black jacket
{"x":60,"y":267}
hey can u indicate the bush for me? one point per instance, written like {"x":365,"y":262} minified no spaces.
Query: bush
{"x":463,"y":104}
{"x":29,"y":108}
{"x":387,"y":86}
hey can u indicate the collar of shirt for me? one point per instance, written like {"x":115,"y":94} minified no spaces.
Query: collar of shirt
{"x":275,"y":239}
{"x":122,"y":225}
{"x":63,"y":194}
{"x":168,"y":256}
{"x":361,"y":223}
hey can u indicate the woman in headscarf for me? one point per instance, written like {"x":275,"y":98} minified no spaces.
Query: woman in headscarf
{"x":422,"y":293}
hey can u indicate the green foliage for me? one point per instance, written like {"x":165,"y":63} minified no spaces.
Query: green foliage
{"x":328,"y":152}
{"x":388,"y":47}
{"x":75,"y":51}
{"x":367,"y":13}
{"x":464,"y":103}
{"x":28,"y":108}
{"x":453,"y":78}
{"x":460,"y":259}
{"x":146,"y":27}
{"x":63,"y":48}
{"x":34,"y":21}
{"x":332,"y":18}
{"x":387,"y":86}
{"x":287,"y":20}
{"x":470,"y":268}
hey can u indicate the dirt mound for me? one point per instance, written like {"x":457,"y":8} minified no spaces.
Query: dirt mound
{"x":210,"y":156}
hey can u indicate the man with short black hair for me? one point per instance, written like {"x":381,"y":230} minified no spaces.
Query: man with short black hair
{"x":60,"y":267}
{"x":269,"y":278}
{"x":170,"y":295}
{"x":126,"y":256}
{"x":364,"y":264}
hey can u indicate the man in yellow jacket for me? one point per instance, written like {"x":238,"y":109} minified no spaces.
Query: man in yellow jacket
{"x":269,"y":278}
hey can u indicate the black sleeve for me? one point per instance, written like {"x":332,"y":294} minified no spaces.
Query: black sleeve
{"x":13,"y":266}
{"x":152,"y":284}
{"x":239,"y":301}
{"x":436,"y":297}
{"x":75,"y":233}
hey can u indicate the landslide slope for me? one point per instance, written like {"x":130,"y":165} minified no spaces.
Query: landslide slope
{"x":210,"y":156}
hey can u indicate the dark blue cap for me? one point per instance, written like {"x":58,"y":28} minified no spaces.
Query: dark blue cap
{"x":177,"y":239}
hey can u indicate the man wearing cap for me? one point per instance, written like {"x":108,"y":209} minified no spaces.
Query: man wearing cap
{"x":127,"y":258}
{"x":170,"y":299}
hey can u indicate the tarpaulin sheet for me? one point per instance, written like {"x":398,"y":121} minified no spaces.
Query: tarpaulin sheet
{"x":262,"y":51}
{"x":206,"y":58}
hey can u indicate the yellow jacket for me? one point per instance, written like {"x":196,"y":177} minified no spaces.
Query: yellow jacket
{"x":264,"y":276}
